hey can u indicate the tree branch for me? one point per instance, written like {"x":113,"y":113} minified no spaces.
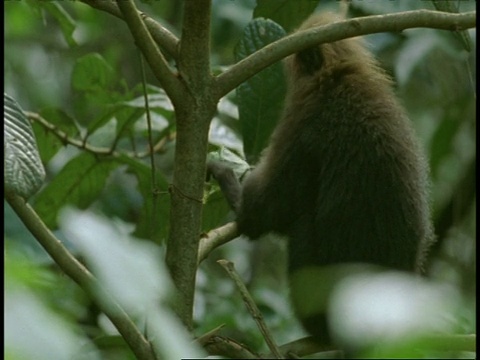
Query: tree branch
{"x":252,"y":308}
{"x":215,"y":238}
{"x":279,"y":49}
{"x":143,"y":39}
{"x":78,"y":273}
{"x":160,"y":34}
{"x":193,"y":118}
{"x":194,"y":59}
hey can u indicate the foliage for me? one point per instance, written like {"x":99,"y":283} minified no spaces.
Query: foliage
{"x":79,"y":73}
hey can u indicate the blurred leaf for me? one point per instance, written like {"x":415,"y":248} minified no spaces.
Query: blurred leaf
{"x":389,"y":308}
{"x":35,"y":326}
{"x":287,"y":13}
{"x":92,"y":73}
{"x":141,"y":287}
{"x":114,"y":257}
{"x":23,"y":170}
{"x":49,"y":143}
{"x":415,"y":50}
{"x":78,"y":183}
{"x":260,"y":98}
{"x":442,"y":142}
{"x":34,"y":331}
{"x":67,"y":24}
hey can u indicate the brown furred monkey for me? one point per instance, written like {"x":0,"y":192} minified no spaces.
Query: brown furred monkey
{"x":343,"y":177}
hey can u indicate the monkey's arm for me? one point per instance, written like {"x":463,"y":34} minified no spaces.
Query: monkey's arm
{"x":228,"y":182}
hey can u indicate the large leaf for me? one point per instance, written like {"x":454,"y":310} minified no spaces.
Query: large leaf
{"x":260,"y":98}
{"x":287,"y":13}
{"x":79,"y":183}
{"x":23,"y":170}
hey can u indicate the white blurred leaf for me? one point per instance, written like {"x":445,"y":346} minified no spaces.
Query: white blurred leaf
{"x":129,"y":268}
{"x":134,"y":273}
{"x":33,"y":331}
{"x":368,"y":308}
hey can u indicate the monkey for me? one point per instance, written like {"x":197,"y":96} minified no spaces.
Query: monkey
{"x":343,"y":177}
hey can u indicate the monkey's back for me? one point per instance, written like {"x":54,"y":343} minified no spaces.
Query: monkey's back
{"x":365,"y":173}
{"x":344,"y":176}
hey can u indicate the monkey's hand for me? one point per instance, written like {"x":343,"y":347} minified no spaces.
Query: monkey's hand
{"x":227,"y":180}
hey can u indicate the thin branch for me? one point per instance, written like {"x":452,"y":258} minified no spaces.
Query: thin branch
{"x":227,"y":347}
{"x":279,"y":49}
{"x":78,"y":273}
{"x":65,"y":138}
{"x":252,"y":307}
{"x":215,"y":238}
{"x":83,"y":145}
{"x":160,"y":34}
{"x":143,"y":39}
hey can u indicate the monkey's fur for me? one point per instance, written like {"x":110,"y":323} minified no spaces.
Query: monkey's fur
{"x":343,"y":176}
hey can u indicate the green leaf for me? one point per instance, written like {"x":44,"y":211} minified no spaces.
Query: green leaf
{"x":23,"y":170}
{"x":288,"y":13}
{"x":92,"y":73}
{"x":79,"y":183}
{"x":260,"y":98}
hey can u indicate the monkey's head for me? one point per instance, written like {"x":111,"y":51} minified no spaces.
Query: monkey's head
{"x":315,"y":59}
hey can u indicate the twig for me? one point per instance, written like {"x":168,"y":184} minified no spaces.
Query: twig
{"x":82,"y":144}
{"x":216,"y":237}
{"x":252,"y":307}
{"x":226,"y":347}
